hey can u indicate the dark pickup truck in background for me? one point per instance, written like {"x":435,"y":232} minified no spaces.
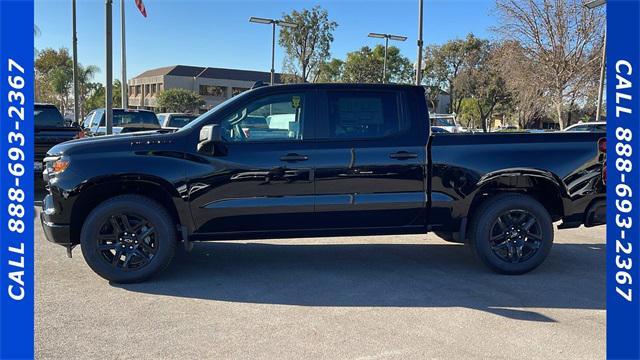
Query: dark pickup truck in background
{"x":332,"y":159}
{"x":50,"y":129}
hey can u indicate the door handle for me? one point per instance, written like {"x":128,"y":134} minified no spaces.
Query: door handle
{"x":403,"y":155}
{"x":294,"y":158}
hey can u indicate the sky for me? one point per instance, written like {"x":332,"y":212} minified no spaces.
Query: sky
{"x":218,"y":34}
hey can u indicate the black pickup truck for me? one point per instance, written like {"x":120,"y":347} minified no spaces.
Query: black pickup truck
{"x":50,"y":129}
{"x":332,"y":159}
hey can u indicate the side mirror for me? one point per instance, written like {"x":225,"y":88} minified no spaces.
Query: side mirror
{"x":209,"y":135}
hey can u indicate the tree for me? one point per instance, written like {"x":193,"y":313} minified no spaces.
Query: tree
{"x":443,"y":64}
{"x":54,"y":74}
{"x":95,"y":95}
{"x":521,"y":79}
{"x":54,"y":78}
{"x":480,"y":80}
{"x":366,"y":65}
{"x":561,"y":39}
{"x":179,"y":100}
{"x":307,"y":45}
{"x":331,"y":71}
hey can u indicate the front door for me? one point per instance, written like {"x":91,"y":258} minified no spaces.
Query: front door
{"x":371,"y":160}
{"x":260,"y":177}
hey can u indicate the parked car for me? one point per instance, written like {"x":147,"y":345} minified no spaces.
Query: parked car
{"x":355,"y":160}
{"x":50,"y":128}
{"x":588,"y":126}
{"x":446,"y":122}
{"x":175,"y":120}
{"x":124,"y":121}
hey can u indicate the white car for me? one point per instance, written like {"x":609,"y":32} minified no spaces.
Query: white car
{"x":588,"y":126}
{"x":446,"y":122}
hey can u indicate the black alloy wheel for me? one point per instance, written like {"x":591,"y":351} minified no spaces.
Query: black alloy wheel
{"x":127,"y":241}
{"x":511,"y":233}
{"x":128,"y":238}
{"x":516,"y":236}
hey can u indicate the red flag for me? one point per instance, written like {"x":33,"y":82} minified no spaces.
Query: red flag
{"x":140,"y":6}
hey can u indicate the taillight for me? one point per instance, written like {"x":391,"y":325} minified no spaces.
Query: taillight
{"x":602,"y":145}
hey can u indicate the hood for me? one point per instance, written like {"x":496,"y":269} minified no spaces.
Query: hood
{"x":112,"y":143}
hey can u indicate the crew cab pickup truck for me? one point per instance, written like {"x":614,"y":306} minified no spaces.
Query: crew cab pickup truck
{"x":50,"y":129}
{"x":332,"y":160}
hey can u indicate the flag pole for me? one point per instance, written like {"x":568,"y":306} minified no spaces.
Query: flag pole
{"x":124,"y":88}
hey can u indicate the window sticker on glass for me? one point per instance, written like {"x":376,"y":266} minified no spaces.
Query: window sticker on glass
{"x":295,"y":102}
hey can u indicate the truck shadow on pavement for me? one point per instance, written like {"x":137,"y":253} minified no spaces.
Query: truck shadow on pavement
{"x":382,"y":275}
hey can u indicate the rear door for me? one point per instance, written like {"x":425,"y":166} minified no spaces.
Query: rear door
{"x":371,"y":156}
{"x":260,"y":178}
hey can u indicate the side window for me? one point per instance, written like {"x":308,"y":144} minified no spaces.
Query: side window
{"x":365,"y":115}
{"x":275,"y":117}
{"x":98,"y":119}
{"x":86,"y":123}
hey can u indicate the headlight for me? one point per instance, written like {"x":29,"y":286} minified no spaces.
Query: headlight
{"x":60,"y":166}
{"x":56,"y":165}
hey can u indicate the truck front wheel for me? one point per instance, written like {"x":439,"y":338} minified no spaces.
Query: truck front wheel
{"x":511,"y":233}
{"x":128,"y":239}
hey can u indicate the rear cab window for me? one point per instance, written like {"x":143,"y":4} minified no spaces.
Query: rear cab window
{"x":47,"y":116}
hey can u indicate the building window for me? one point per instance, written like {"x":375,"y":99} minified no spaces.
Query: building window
{"x":237,"y":91}
{"x":146,"y":89}
{"x":132,"y":91}
{"x":153,"y":89}
{"x":138,"y":89}
{"x":212,"y":90}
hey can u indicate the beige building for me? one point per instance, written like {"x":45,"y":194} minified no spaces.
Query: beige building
{"x":215,"y":85}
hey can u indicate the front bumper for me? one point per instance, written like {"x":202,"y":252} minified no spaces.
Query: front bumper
{"x":56,"y":233}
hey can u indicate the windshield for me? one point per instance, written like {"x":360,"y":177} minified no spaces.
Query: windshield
{"x":47,"y":116}
{"x":442,"y":121}
{"x":134,"y":118}
{"x":180,"y":120}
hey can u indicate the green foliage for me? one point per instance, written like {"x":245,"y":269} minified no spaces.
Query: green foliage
{"x":307,"y":45}
{"x":179,"y":100}
{"x":54,"y":79}
{"x":444,"y":63}
{"x":366,"y":65}
{"x":331,"y":71}
{"x":96,"y":98}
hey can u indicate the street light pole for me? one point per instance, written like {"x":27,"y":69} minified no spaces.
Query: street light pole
{"x":386,"y":46}
{"x":273,"y":23}
{"x":384,"y":64}
{"x":124,"y":87}
{"x":602,"y":73}
{"x":419,"y":61}
{"x":592,"y":4}
{"x":76,"y":100}
{"x":108,"y":94}
{"x":273,"y":52}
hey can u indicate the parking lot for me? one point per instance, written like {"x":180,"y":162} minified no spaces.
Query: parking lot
{"x":341,"y":298}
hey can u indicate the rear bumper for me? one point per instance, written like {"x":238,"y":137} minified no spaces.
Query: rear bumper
{"x":56,"y":233}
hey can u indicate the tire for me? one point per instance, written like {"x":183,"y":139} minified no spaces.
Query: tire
{"x":103,"y":237}
{"x":500,"y":238}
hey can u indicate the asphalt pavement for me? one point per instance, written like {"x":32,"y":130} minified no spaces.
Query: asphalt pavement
{"x":384,"y":297}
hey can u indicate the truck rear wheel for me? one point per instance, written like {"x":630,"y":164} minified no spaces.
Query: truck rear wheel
{"x":128,"y":238}
{"x":511,"y":233}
